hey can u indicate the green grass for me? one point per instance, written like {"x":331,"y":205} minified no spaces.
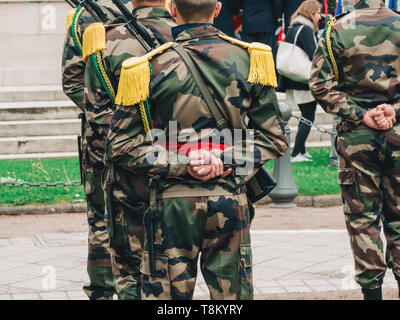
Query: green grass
{"x":49,"y":170}
{"x":312,"y":178}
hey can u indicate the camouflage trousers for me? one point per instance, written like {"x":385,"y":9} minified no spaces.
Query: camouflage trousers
{"x":369,"y":177}
{"x":216,"y":228}
{"x":126,"y":205}
{"x":101,"y":285}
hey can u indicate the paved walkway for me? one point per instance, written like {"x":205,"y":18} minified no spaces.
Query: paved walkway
{"x":52,"y":266}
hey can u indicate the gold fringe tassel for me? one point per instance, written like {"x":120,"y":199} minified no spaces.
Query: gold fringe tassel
{"x":70,"y":17}
{"x":262,"y":65}
{"x":94,"y":40}
{"x":135,"y":78}
{"x":134,"y":82}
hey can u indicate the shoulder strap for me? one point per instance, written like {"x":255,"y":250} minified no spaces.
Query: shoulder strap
{"x":297,"y":34}
{"x":212,"y":106}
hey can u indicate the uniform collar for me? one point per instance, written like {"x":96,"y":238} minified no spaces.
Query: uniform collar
{"x":151,"y":12}
{"x":369,"y":4}
{"x":194,"y":31}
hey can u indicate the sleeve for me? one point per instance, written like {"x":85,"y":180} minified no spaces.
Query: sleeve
{"x":396,"y":108}
{"x":73,"y":70}
{"x":129,"y":147}
{"x":326,"y":89}
{"x":266,"y":122}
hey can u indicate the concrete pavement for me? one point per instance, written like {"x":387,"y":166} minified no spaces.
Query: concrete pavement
{"x":53,"y":266}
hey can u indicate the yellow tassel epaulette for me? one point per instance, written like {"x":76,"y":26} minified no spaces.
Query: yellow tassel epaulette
{"x":134,"y":81}
{"x":70,"y":17}
{"x":94,"y":40}
{"x":262,"y":65}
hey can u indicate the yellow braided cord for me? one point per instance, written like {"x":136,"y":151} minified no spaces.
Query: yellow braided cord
{"x":330,"y":24}
{"x":146,"y":124}
{"x":235,"y":41}
{"x":75,"y":35}
{"x":70,"y":18}
{"x":104,"y":74}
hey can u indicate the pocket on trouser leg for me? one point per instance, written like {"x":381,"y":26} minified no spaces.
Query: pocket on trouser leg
{"x":346,"y":176}
{"x":246,"y":291}
{"x":155,"y":287}
{"x":351,"y":197}
{"x":117,"y":224}
{"x":89,"y":190}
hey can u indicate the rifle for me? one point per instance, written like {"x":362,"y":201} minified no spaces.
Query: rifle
{"x":92,"y":7}
{"x":73,"y":5}
{"x":134,"y":27}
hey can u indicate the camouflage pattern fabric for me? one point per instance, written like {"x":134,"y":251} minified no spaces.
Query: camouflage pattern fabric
{"x":124,"y":218}
{"x":99,"y":262}
{"x":199,"y":206}
{"x":218,"y":227}
{"x":365,"y":47}
{"x":73,"y":67}
{"x":128,"y":195}
{"x":99,"y":268}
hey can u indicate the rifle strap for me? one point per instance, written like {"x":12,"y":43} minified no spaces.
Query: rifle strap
{"x":212,"y":106}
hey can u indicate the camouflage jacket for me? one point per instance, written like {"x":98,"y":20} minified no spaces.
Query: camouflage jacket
{"x":72,"y":65}
{"x":366,"y":49}
{"x":174,"y":96}
{"x":120,"y":45}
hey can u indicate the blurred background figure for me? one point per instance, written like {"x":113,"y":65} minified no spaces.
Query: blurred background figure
{"x":225,"y":20}
{"x":328,"y":7}
{"x":290,"y":7}
{"x":261,"y":19}
{"x":298,"y":94}
{"x":393,"y":4}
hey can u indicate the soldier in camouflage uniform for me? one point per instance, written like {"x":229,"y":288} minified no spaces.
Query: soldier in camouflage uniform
{"x":126,"y":194}
{"x":101,"y":284}
{"x":356,"y":75}
{"x":188,"y":216}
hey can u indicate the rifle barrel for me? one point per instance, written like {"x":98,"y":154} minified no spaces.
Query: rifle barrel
{"x":136,"y":28}
{"x":71,"y":3}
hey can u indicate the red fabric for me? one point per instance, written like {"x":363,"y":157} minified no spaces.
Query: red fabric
{"x":281,"y":34}
{"x":326,"y":7}
{"x":185,"y":148}
{"x":237,"y":22}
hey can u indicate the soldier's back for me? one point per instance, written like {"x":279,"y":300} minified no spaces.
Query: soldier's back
{"x":365,"y":43}
{"x":122,"y":45}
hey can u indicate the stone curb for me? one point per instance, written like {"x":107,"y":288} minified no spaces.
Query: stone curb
{"x":50,"y":209}
{"x":311,"y":201}
{"x":304,"y":201}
